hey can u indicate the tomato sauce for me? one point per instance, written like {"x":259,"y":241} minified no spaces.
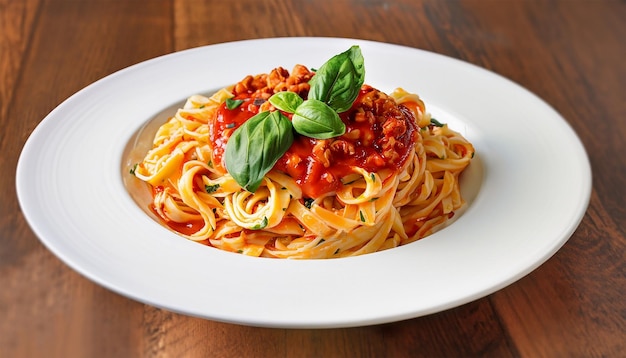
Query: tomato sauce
{"x":225,"y":123}
{"x":317,"y":166}
{"x":186,"y":228}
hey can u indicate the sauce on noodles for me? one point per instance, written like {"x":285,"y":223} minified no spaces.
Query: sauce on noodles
{"x":379,"y":135}
{"x":390,"y":179}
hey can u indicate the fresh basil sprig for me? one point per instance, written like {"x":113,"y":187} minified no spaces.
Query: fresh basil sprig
{"x":317,"y":120}
{"x":311,"y":117}
{"x":258,"y":143}
{"x":256,"y":146}
{"x":339,"y":80}
{"x":286,"y":101}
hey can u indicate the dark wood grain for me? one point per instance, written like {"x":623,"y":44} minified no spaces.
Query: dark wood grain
{"x":569,"y":52}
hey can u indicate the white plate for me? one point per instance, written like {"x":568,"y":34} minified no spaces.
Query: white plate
{"x":527,"y":188}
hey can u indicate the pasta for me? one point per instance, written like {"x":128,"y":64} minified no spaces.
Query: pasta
{"x":390,"y":179}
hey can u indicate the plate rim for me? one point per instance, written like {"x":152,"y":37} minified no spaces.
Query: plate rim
{"x":70,"y":259}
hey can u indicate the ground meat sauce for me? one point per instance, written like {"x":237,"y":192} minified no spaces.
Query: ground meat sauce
{"x":379,"y":133}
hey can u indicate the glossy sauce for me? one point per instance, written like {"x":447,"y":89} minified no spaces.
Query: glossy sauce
{"x":224,"y":124}
{"x":315,"y":178}
{"x":185,"y":228}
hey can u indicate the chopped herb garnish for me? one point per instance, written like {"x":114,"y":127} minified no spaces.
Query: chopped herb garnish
{"x":308,"y":202}
{"x":211,"y":188}
{"x":201,"y":107}
{"x":230,"y":125}
{"x":133,"y":169}
{"x":240,"y":251}
{"x":374,"y":199}
{"x":373,"y":177}
{"x":233,"y":103}
{"x":361,"y":215}
{"x":435,"y":122}
{"x":262,"y":225}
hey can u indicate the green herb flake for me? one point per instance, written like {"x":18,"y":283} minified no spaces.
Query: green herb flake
{"x":133,"y":169}
{"x":211,"y":188}
{"x":262,"y":225}
{"x":233,"y":103}
{"x":435,"y":122}
{"x":373,"y":177}
{"x":230,"y":125}
{"x":308,"y":203}
{"x":362,"y":216}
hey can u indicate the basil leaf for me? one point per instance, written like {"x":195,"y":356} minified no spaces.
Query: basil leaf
{"x":233,"y":103}
{"x":359,"y":65}
{"x":339,"y":80}
{"x":254,"y":148}
{"x":317,"y":120}
{"x":286,"y":101}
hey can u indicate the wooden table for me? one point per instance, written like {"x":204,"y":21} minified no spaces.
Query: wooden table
{"x":569,"y":52}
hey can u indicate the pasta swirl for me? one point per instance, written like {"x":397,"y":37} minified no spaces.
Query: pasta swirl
{"x":391,"y":179}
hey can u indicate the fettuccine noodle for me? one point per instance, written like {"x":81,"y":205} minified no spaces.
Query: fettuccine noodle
{"x":391,"y":179}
